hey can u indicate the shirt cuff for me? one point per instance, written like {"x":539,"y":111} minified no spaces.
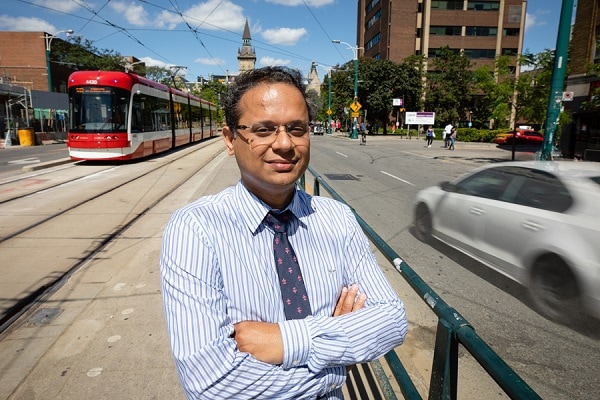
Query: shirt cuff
{"x":296,"y":342}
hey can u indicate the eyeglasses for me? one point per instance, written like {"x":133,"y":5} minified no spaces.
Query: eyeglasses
{"x":265,"y":134}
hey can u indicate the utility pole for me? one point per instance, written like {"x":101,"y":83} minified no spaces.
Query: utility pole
{"x":558,"y":78}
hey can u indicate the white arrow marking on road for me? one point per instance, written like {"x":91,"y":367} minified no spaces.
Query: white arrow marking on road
{"x":395,"y":177}
{"x":25,"y":161}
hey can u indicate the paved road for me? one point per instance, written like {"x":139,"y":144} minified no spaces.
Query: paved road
{"x":102,"y":334}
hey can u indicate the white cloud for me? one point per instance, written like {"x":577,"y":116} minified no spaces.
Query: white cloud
{"x":283,"y":36}
{"x":134,"y":14}
{"x":532,"y":20}
{"x":26,"y":24}
{"x":210,"y":61}
{"x":59,"y":5}
{"x":270,"y":61}
{"x":151,"y":62}
{"x":211,"y":15}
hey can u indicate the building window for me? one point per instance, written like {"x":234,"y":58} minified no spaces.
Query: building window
{"x":480,"y":53}
{"x":372,"y":5}
{"x":481,"y":31}
{"x":374,"y":19}
{"x":445,"y":30}
{"x":432,"y":53}
{"x":373,"y":41}
{"x":514,"y":14}
{"x":447,"y":5}
{"x":510,"y":52}
{"x":511,"y":32}
{"x":483,"y":5}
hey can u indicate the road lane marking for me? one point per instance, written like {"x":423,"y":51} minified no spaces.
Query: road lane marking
{"x":25,"y":161}
{"x":341,"y":154}
{"x":395,"y":177}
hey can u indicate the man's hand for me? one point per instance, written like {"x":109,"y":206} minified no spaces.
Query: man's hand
{"x":261,"y":339}
{"x":348,"y":301}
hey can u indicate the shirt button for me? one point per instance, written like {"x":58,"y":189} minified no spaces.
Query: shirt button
{"x":295,"y":362}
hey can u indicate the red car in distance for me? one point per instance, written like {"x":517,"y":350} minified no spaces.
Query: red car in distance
{"x":524,"y":136}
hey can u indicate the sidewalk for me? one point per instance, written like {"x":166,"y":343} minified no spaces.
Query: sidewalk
{"x":102,"y":335}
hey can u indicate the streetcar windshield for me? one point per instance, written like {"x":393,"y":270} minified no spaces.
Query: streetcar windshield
{"x":98,"y":109}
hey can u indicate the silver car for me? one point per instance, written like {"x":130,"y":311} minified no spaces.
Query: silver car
{"x":537,"y":222}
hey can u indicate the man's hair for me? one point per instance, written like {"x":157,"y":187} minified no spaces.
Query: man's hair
{"x":250,"y":79}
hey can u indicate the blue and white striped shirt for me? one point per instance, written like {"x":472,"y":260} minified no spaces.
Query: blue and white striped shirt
{"x":217,"y":269}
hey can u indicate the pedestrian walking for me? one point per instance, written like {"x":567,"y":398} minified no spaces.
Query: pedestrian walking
{"x":452,"y":138}
{"x":447,"y":133}
{"x":429,"y":135}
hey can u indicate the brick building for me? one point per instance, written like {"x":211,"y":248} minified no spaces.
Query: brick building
{"x":23,"y":61}
{"x":482,"y":29}
{"x":24,"y":69}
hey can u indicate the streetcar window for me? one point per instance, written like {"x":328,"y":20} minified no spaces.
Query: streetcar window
{"x":150,"y":113}
{"x":98,"y":109}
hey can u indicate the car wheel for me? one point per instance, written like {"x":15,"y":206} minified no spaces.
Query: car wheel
{"x":423,"y":223}
{"x":554,"y":289}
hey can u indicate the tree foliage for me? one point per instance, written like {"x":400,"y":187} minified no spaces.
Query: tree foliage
{"x":449,"y":86}
{"x":81,"y":54}
{"x":380,"y":81}
{"x":525,"y":96}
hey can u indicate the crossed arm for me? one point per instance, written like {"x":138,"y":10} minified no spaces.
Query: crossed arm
{"x":263,"y":339}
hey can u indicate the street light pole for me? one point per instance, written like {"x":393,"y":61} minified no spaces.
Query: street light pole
{"x":354,"y":49}
{"x":48,"y":43}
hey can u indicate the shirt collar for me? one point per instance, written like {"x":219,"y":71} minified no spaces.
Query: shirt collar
{"x":252,"y":210}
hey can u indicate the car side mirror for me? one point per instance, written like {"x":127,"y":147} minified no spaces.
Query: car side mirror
{"x":448,"y":186}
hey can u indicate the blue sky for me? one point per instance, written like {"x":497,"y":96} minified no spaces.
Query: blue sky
{"x":204,"y":36}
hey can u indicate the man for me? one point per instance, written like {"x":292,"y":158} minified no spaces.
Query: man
{"x":447,"y":133}
{"x":226,"y":312}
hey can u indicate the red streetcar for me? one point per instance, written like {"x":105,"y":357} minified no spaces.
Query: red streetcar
{"x":122,"y":116}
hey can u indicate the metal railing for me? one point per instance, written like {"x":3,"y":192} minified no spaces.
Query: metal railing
{"x":452,"y":330}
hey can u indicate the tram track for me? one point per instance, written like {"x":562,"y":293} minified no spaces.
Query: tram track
{"x":59,"y":245}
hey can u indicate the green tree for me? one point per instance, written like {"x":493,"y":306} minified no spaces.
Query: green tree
{"x":449,"y":86}
{"x":380,"y":81}
{"x":212,"y":91}
{"x":534,"y":86}
{"x":80,"y":53}
{"x":524,"y":96}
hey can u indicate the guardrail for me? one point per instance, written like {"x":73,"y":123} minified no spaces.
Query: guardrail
{"x":452,"y":330}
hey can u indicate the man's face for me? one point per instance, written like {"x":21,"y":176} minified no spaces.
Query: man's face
{"x":270,"y":170}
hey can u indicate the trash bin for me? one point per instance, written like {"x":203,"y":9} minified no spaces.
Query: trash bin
{"x":26,"y":137}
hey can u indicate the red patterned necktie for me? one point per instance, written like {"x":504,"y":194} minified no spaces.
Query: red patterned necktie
{"x":293,"y":292}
